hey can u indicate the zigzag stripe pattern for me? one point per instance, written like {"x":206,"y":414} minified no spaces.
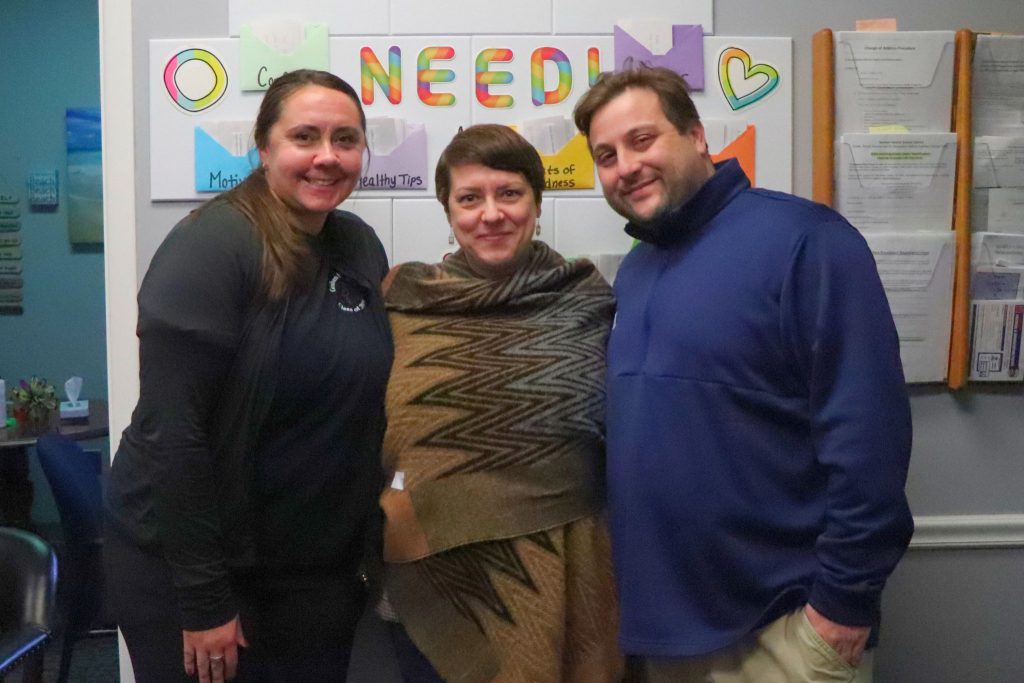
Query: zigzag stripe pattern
{"x":464,"y":575}
{"x":525,"y":388}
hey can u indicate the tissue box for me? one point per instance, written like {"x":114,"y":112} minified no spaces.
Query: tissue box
{"x":74,"y":410}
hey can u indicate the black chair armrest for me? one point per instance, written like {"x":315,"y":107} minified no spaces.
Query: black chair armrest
{"x":18,"y":643}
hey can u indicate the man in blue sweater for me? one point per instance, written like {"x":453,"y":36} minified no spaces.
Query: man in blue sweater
{"x":758,"y":423}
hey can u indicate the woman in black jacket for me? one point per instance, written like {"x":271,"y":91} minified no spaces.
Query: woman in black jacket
{"x":243,"y":491}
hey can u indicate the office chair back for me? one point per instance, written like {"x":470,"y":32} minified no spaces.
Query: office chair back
{"x":74,"y":477}
{"x":28,"y":585}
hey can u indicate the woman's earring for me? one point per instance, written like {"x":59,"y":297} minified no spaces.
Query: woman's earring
{"x":451,"y":235}
{"x":537,"y":231}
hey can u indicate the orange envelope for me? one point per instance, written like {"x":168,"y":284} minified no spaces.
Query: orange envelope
{"x":742,"y":148}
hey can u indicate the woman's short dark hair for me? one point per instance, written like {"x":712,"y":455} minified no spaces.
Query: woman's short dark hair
{"x":494,"y":146}
{"x":671,"y":88}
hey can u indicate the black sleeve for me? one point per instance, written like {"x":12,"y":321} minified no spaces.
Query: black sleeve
{"x":192,"y":307}
{"x":180,"y":381}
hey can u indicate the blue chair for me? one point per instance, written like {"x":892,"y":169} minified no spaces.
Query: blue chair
{"x":28,"y":585}
{"x":74,"y":476}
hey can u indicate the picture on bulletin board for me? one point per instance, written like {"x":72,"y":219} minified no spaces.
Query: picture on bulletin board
{"x":85,"y":176}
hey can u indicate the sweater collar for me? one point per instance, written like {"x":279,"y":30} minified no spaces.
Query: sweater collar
{"x":728,"y":181}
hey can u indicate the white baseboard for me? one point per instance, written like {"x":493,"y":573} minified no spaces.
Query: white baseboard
{"x":968,"y":531}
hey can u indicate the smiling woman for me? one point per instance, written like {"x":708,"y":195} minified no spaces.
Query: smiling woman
{"x":244,"y":491}
{"x":313,"y":154}
{"x":499,"y":559}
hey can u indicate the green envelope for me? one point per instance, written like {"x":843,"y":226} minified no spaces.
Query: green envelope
{"x":260,"y":64}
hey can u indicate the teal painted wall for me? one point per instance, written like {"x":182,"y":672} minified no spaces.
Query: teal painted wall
{"x":49,"y":61}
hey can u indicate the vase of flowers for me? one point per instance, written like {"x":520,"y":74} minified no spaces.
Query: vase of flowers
{"x":34,"y":401}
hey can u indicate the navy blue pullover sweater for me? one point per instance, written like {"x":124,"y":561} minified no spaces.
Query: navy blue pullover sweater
{"x":758,"y":423}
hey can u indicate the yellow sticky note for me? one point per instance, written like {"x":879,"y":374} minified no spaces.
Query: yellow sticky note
{"x":891,"y":128}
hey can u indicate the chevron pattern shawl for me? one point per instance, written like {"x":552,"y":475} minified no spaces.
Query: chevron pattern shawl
{"x":495,"y":416}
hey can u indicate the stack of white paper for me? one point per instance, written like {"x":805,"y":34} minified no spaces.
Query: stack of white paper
{"x":998,"y":86}
{"x":997,"y":203}
{"x":997,"y":209}
{"x":897,"y":181}
{"x":383,"y":134}
{"x":903,"y":78}
{"x":917,"y":273}
{"x":997,"y":306}
{"x":549,"y":134}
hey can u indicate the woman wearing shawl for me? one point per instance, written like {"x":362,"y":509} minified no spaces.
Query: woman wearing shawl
{"x":498,"y":558}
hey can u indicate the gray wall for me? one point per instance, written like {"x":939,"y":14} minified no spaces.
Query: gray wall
{"x":950,"y":615}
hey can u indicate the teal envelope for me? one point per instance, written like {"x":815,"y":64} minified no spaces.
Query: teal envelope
{"x":224,"y":154}
{"x":260,"y":64}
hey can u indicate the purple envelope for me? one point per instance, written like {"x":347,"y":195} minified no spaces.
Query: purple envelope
{"x":405,"y":168}
{"x":685,"y":58}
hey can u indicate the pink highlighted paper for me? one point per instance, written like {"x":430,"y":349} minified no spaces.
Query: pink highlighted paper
{"x":685,"y":57}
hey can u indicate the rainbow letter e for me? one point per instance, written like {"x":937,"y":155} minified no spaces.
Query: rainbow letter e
{"x":537,"y":91}
{"x":485,"y":77}
{"x":390,"y":81}
{"x":425,"y":76}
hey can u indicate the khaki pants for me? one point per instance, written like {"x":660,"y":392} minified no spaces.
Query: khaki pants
{"x":787,"y":650}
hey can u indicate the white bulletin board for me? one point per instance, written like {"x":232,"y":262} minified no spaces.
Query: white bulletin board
{"x":734,"y":68}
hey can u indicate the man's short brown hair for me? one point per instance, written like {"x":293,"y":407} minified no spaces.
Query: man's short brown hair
{"x":670,"y":87}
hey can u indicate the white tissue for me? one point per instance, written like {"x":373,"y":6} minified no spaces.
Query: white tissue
{"x":73,"y":388}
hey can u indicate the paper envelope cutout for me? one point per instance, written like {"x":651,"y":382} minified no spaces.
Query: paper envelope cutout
{"x":685,"y":57}
{"x":224,"y":154}
{"x":570,"y":168}
{"x":404,"y":168}
{"x":998,"y":161}
{"x":885,"y":78}
{"x":897,"y":181}
{"x":741,"y":147}
{"x":260,"y":63}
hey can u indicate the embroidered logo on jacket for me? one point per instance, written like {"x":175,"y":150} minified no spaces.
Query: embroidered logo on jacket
{"x":350,"y":294}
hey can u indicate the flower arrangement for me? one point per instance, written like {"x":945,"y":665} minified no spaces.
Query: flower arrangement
{"x":35,"y":399}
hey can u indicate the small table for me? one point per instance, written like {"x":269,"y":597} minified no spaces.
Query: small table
{"x":16,"y":491}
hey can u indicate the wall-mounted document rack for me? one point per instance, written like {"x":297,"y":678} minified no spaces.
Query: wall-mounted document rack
{"x":824,"y":155}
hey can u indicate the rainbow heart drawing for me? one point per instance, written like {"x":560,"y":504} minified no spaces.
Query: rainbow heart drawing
{"x":750,"y":71}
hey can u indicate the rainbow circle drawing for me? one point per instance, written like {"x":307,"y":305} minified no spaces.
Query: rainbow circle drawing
{"x":212,"y":93}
